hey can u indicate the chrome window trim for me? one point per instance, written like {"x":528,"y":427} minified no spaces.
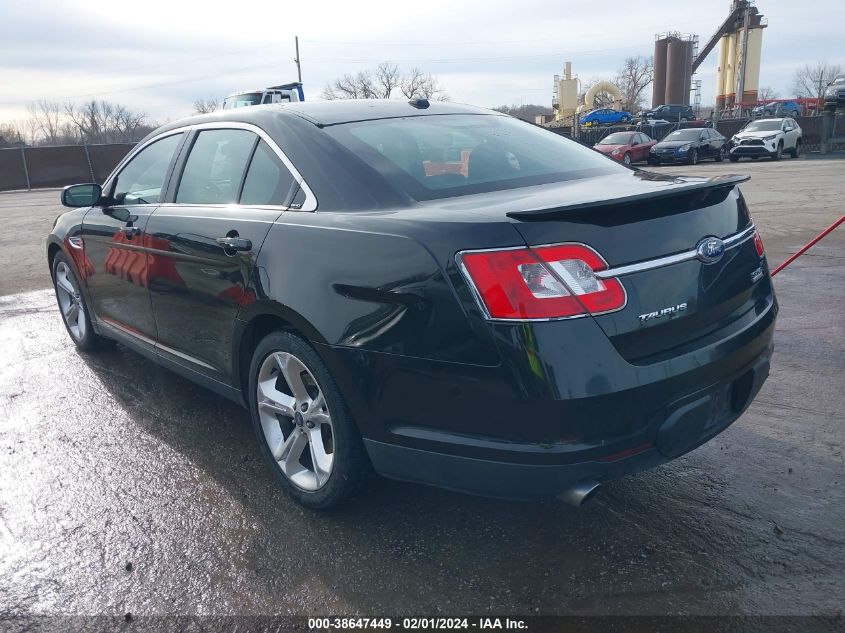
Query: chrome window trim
{"x":732,"y":241}
{"x":310,"y":203}
{"x":132,"y":154}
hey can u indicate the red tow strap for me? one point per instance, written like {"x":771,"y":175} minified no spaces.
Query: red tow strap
{"x":809,"y":244}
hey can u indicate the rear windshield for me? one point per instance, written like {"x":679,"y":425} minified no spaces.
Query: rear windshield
{"x":684,"y":135}
{"x":451,"y":155}
{"x":620,"y":138}
{"x":762,"y":126}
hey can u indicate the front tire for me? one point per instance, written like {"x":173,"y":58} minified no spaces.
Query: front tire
{"x":693,"y":157}
{"x":733,"y":159}
{"x":304,"y":428}
{"x":776,"y":155}
{"x":626,"y":159}
{"x":75,"y":313}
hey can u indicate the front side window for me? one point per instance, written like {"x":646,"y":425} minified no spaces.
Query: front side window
{"x":141,"y":181}
{"x":215,"y":167}
{"x":441,"y":156}
{"x":268,"y":181}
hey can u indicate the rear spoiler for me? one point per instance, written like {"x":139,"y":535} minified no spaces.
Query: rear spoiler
{"x":679,"y":188}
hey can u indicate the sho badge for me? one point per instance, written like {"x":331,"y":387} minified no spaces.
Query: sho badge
{"x":757,"y":275}
{"x":661,"y":313}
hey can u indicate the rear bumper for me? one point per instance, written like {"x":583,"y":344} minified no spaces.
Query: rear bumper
{"x":553,"y":412}
{"x":682,"y":426}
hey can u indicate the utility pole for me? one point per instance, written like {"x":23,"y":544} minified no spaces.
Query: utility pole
{"x":298,"y":67}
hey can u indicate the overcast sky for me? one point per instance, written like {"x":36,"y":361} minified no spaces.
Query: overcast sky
{"x":157,"y":56}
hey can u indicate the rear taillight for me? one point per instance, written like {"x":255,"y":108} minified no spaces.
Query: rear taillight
{"x":758,"y":244}
{"x":548,"y":282}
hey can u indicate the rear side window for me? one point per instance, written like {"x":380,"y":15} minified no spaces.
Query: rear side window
{"x":448,"y":155}
{"x":268,"y":181}
{"x":142,"y":179}
{"x":215,"y":167}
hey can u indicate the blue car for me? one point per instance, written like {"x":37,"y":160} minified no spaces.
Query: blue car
{"x":606,"y":116}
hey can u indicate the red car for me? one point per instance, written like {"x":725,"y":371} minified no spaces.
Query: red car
{"x":626,"y":147}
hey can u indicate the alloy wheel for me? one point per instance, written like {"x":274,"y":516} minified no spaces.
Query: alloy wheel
{"x":296,"y":421}
{"x":70,"y":302}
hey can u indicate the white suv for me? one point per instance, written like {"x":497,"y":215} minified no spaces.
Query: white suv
{"x":767,"y":137}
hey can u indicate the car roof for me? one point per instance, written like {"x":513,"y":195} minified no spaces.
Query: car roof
{"x":778,"y":118}
{"x":324,"y":113}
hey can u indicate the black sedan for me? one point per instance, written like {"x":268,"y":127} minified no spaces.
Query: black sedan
{"x":689,"y":146}
{"x":439,"y":293}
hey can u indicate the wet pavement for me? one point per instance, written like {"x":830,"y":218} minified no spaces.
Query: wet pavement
{"x":124,"y":488}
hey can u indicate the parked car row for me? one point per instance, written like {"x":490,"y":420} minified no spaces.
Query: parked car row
{"x":769,"y":138}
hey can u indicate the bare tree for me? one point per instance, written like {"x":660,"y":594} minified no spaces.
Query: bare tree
{"x":633,"y":78}
{"x":810,"y":81}
{"x":382,"y":84}
{"x":12,"y":132}
{"x":420,"y":85}
{"x":204,"y":106}
{"x":46,"y":120}
{"x":348,"y":86}
{"x":387,"y":79}
{"x":106,"y":122}
{"x":766,"y":93}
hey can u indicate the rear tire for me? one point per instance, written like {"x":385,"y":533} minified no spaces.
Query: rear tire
{"x":305,"y":430}
{"x":75,"y":313}
{"x":721,"y":155}
{"x":795,"y":152}
{"x":733,"y":159}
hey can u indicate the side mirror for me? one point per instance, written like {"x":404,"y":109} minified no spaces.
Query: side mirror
{"x":86,"y":195}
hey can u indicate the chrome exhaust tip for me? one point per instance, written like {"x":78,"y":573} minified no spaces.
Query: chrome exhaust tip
{"x":580,"y":493}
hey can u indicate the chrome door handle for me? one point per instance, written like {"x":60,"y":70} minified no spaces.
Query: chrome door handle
{"x":130,"y":231}
{"x":235,"y":243}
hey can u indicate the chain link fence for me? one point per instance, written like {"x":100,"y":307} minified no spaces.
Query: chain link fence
{"x":38,"y":167}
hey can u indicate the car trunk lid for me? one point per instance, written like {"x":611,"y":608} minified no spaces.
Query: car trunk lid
{"x":647,"y":228}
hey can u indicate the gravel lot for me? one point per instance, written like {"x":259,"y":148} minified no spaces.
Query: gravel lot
{"x":124,"y":488}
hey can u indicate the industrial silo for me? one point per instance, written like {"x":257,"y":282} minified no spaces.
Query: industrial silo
{"x":739,"y":56}
{"x":658,"y":89}
{"x":720,"y":72}
{"x":678,"y":71}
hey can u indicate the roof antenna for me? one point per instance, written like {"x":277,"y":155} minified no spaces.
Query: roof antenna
{"x":419,"y":103}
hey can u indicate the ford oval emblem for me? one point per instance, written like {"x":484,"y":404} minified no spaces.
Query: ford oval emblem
{"x":710,"y":250}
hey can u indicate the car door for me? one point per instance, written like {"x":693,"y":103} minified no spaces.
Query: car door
{"x":115,"y":239}
{"x":226,"y":192}
{"x":790,"y":135}
{"x":638,"y":150}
